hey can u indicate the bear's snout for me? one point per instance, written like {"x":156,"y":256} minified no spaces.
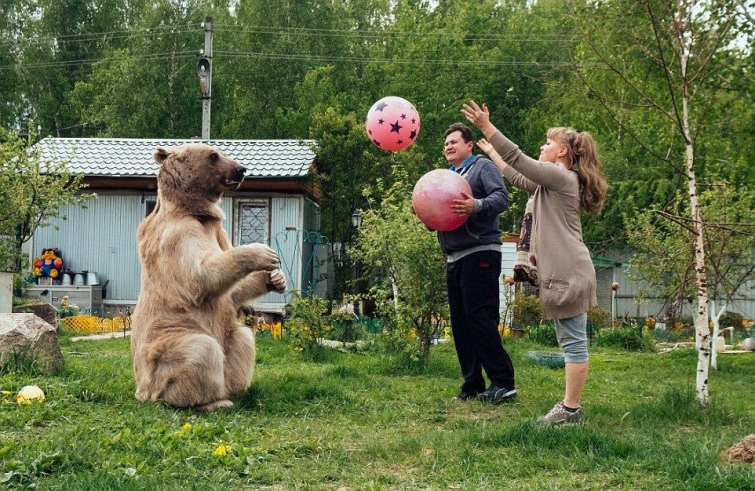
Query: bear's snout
{"x":235,"y":175}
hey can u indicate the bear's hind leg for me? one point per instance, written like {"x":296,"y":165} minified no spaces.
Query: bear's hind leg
{"x":188,"y":371}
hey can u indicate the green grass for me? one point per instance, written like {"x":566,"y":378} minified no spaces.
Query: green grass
{"x":354,"y":421}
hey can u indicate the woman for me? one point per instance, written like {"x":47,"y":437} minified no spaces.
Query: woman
{"x":565,"y":180}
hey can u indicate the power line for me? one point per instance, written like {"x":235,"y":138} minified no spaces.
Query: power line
{"x":151,"y":56}
{"x":347,"y":33}
{"x":96,"y":36}
{"x":407,"y":61}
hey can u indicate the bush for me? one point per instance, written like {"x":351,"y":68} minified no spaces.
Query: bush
{"x":598,"y":316}
{"x":21,"y":283}
{"x":307,"y":324}
{"x":345,"y":327}
{"x":732,"y":319}
{"x":544,"y":333}
{"x":628,"y":338}
{"x":526,"y":309}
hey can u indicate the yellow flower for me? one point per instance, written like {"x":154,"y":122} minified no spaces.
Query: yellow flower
{"x":222,"y":450}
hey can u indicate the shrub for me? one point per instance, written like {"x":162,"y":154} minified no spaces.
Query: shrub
{"x":732,"y":319}
{"x":628,"y":338}
{"x":598,"y":316}
{"x":544,"y":333}
{"x":345,"y":327}
{"x":526,"y":309}
{"x":307,"y":324}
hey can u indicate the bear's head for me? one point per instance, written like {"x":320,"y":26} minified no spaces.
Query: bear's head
{"x":196,"y":171}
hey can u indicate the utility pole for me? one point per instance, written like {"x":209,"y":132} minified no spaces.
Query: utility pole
{"x":204,"y":70}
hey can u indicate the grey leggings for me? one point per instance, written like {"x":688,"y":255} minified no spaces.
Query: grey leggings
{"x":572,"y":337}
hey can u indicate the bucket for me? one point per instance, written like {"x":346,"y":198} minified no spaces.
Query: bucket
{"x":92,"y":278}
{"x":720,"y":344}
{"x":78,"y":279}
{"x":66,"y":279}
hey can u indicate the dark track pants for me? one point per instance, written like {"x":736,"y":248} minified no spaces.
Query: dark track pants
{"x":473,"y":296}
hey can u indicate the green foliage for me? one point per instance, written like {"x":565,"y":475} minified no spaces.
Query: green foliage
{"x":598,"y":316}
{"x":543,"y":333}
{"x":308,"y":324}
{"x":664,"y":252}
{"x":21,"y":283}
{"x":731,"y":319}
{"x":527,"y":310}
{"x":394,"y":241}
{"x":345,"y":327}
{"x":32,"y":191}
{"x":629,"y":338}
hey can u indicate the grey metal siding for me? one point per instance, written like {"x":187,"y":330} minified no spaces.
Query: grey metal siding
{"x":286,"y":224}
{"x":101,"y":238}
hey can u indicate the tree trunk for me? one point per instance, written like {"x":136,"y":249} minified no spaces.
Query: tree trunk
{"x":701,"y":318}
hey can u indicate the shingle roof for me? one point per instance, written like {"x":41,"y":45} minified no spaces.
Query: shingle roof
{"x":126,"y":157}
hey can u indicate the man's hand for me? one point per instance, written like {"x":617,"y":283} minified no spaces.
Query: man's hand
{"x":463,"y":206}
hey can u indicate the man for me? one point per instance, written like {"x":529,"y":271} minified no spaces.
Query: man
{"x":473,"y":268}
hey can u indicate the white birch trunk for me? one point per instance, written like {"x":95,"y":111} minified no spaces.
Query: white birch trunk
{"x":701,"y":280}
{"x":716,"y":329}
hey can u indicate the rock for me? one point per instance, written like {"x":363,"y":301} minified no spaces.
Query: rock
{"x":28,"y":337}
{"x":47,"y":312}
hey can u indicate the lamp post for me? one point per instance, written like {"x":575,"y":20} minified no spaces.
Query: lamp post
{"x":356,"y":222}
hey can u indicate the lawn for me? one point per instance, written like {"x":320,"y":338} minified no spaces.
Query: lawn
{"x":357,"y":421}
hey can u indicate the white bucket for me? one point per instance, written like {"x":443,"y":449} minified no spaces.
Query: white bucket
{"x":720,"y":344}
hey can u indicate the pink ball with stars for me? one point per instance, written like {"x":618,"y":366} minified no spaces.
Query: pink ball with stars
{"x":392,"y":123}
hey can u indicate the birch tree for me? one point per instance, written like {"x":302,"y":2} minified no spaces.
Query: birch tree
{"x":662,"y":65}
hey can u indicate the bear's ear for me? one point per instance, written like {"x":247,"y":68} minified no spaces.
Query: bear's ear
{"x":160,"y":154}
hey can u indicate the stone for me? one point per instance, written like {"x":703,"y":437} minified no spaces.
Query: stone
{"x":31,"y":339}
{"x":45,"y":311}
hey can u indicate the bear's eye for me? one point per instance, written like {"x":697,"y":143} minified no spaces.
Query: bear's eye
{"x":214,"y":156}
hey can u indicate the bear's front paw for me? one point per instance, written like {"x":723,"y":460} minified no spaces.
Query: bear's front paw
{"x":262,"y":257}
{"x":276,"y":281}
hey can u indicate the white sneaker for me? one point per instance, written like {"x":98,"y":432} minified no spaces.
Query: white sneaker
{"x":559,"y":415}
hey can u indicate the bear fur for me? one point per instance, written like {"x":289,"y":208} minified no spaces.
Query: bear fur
{"x":188,"y":347}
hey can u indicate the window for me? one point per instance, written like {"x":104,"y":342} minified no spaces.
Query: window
{"x":253,"y":220}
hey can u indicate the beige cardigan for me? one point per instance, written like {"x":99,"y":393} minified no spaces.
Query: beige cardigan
{"x":565,"y":270}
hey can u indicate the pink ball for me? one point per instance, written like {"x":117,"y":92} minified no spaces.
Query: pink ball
{"x":433,"y":196}
{"x":392,"y":123}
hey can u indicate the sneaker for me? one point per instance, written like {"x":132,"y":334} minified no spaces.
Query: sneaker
{"x":463,"y":395}
{"x":497,"y":395}
{"x":559,"y":415}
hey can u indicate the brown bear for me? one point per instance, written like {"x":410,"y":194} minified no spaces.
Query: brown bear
{"x":189,"y":348}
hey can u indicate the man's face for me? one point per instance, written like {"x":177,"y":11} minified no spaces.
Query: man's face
{"x":456,"y":149}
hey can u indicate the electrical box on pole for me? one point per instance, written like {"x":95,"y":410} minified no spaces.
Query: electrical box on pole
{"x":204,"y":71}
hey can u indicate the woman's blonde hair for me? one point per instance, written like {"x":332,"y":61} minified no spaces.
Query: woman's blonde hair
{"x":584,"y":160}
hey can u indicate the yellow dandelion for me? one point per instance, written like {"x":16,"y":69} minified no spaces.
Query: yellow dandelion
{"x":222,"y":449}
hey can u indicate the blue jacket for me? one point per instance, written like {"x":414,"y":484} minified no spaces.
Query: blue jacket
{"x":481,"y":228}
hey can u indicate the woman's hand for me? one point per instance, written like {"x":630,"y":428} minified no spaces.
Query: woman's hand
{"x":486,"y":147}
{"x":480,"y":117}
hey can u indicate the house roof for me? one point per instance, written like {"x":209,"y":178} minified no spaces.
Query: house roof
{"x":130,"y":157}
